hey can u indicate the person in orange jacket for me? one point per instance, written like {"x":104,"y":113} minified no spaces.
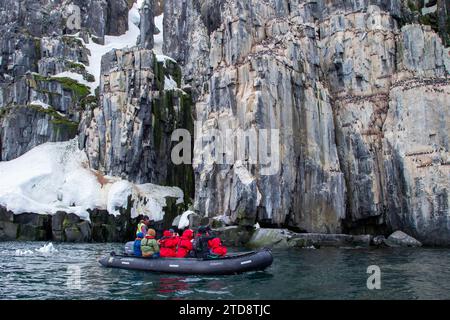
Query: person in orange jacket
{"x":216,"y":248}
{"x":185,"y":244}
{"x":168,"y":244}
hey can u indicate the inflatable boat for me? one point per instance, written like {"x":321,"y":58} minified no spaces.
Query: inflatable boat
{"x":230,"y":264}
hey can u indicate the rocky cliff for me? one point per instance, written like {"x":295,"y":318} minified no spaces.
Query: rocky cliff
{"x":359,"y":91}
{"x":351,"y":95}
{"x":86,"y":69}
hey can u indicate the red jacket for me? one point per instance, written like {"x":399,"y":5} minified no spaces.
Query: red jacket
{"x":216,"y":247}
{"x":185,"y":244}
{"x":168,"y":245}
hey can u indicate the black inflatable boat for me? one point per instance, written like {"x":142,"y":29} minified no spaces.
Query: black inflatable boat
{"x":231,"y":264}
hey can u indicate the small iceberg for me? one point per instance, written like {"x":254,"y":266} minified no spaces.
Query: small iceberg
{"x":46,"y":249}
{"x":49,"y":248}
{"x":20,"y":252}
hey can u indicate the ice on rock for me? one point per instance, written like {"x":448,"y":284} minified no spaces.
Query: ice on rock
{"x":56,"y":177}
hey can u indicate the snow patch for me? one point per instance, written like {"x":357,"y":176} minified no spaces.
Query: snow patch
{"x":118,"y":196}
{"x":184,"y":220}
{"x":40,"y":104}
{"x":156,"y":200}
{"x":163,"y":58}
{"x":169,"y":83}
{"x":79,"y":78}
{"x":158,"y":39}
{"x":243,"y":174}
{"x":140,"y":3}
{"x":129,"y":39}
{"x":97,"y":51}
{"x":56,"y":177}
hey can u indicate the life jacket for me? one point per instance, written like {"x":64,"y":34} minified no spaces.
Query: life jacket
{"x":216,"y":247}
{"x":168,"y":244}
{"x":149,"y":246}
{"x":137,"y":245}
{"x":142,"y":227}
{"x":184,"y":245}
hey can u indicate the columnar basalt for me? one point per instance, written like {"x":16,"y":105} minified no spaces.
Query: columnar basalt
{"x":327,"y":73}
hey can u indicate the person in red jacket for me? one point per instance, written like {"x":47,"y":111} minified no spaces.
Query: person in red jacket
{"x":216,"y":248}
{"x":168,"y":244}
{"x":185,"y":244}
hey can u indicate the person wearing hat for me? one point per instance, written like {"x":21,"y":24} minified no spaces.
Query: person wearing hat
{"x":149,"y":245}
{"x":172,"y":231}
{"x":184,"y":246}
{"x":216,"y":248}
{"x":168,"y":244}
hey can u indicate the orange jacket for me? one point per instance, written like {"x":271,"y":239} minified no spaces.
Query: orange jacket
{"x":216,"y":247}
{"x":185,"y":244}
{"x":168,"y":245}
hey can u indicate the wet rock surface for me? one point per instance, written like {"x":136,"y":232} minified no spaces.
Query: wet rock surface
{"x":63,"y":227}
{"x":401,"y":239}
{"x":284,"y":239}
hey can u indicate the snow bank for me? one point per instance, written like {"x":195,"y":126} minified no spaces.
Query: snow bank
{"x":56,"y":177}
{"x":156,"y":196}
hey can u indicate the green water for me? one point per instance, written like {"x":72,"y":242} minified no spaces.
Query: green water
{"x":297,"y":274}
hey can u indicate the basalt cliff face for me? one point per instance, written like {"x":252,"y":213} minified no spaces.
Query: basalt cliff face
{"x":358,"y":92}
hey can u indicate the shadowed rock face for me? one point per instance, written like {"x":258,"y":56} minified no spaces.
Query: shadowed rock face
{"x":129,"y":133}
{"x":63,"y":227}
{"x":147,"y":25}
{"x":356,"y":89}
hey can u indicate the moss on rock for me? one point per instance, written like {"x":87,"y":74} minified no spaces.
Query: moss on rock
{"x":79,"y":90}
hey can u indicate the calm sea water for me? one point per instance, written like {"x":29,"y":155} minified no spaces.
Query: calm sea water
{"x":26,"y":273}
